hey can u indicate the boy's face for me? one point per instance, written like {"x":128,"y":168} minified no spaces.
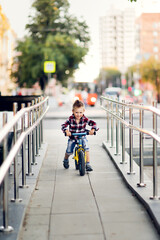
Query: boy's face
{"x":78,"y":112}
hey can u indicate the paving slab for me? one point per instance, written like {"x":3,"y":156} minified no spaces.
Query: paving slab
{"x":78,"y":237}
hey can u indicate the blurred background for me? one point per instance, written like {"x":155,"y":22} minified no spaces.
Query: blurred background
{"x":80,"y":49}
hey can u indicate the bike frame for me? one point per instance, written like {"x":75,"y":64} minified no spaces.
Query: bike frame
{"x":78,"y":146}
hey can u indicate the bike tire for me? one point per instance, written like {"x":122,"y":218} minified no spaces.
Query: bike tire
{"x":76,"y":165}
{"x":82,"y":169}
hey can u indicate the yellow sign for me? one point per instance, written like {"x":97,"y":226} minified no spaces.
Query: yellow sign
{"x":49,"y":66}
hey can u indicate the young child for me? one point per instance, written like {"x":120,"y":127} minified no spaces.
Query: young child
{"x":77,"y":124}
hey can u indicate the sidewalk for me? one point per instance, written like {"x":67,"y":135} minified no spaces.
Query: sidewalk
{"x":97,"y":206}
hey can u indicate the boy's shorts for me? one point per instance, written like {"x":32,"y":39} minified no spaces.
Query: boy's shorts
{"x":72,"y":142}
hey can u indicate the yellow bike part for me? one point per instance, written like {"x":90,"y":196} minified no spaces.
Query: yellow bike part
{"x":76,"y":154}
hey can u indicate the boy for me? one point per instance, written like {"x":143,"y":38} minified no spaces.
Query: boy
{"x":77,"y":124}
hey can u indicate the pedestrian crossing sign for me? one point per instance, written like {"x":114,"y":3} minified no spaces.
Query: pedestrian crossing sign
{"x":49,"y":66}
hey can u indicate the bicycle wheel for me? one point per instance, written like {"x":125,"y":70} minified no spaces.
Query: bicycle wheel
{"x":81,"y":163}
{"x":76,"y":165}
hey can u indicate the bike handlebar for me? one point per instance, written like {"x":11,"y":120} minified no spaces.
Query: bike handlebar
{"x":82,"y":134}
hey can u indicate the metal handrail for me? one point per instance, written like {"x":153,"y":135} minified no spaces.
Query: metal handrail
{"x":140,"y":107}
{"x":36,"y":112}
{"x":150,"y":133}
{"x":5,"y":130}
{"x":8,"y":161}
{"x":120,"y":117}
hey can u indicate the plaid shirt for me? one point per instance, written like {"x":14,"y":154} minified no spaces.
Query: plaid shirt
{"x":80,"y":127}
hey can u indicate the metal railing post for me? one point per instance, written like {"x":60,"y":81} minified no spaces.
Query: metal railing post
{"x":141,"y":165}
{"x":33,"y":137}
{"x":123,"y":135}
{"x":16,"y":180}
{"x":37,"y":135}
{"x":155,"y":174}
{"x":23,"y":152}
{"x":131,"y":143}
{"x":29,"y":144}
{"x":39,"y":128}
{"x":112,"y":135}
{"x":107,"y":122}
{"x":41,"y":124}
{"x":5,"y":227}
{"x":117,"y":130}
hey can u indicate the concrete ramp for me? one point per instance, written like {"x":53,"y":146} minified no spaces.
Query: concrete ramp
{"x":97,"y":206}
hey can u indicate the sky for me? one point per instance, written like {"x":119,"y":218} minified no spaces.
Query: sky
{"x":18,"y":11}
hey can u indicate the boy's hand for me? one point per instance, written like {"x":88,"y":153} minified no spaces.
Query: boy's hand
{"x":91,"y":132}
{"x":68,"y":133}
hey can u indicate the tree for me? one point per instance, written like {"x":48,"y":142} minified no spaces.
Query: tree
{"x":150,"y":71}
{"x":54,"y":35}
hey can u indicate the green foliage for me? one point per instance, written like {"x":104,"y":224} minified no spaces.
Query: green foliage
{"x":132,"y":0}
{"x":54,"y":35}
{"x":66,"y":53}
{"x":150,"y":71}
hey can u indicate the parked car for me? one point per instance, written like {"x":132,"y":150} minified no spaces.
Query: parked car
{"x":86,"y":92}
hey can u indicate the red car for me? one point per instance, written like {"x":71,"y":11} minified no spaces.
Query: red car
{"x":91,"y":99}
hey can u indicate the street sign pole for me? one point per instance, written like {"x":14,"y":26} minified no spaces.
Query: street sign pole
{"x":49,"y":76}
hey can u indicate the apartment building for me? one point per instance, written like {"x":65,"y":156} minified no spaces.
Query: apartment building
{"x":148,"y":36}
{"x":117,"y":38}
{"x":7,"y":45}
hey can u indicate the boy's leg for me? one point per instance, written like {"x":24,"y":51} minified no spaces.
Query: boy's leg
{"x":66,"y":156}
{"x":69,"y":151}
{"x":87,"y":157}
{"x":88,"y":166}
{"x":66,"y":162}
{"x":86,"y":147}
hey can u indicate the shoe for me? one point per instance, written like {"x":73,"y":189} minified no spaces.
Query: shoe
{"x":88,"y":168}
{"x":66,"y":163}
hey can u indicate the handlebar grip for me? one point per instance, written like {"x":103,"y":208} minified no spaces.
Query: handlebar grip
{"x":87,"y":132}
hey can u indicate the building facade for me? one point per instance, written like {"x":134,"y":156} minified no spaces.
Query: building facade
{"x":148,"y":36}
{"x":7,"y":45}
{"x":117,"y":39}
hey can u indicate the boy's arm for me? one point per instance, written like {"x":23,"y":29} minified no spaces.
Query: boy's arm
{"x":93,"y":125}
{"x":65,"y":128}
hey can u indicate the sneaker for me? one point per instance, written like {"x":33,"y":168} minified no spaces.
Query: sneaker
{"x":88,"y":168}
{"x":66,"y":163}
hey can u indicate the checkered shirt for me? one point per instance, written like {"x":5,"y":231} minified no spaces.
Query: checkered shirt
{"x":80,"y":127}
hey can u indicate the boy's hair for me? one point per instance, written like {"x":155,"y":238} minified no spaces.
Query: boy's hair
{"x":78,"y":104}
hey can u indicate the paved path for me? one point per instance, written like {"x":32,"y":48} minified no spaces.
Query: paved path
{"x":97,"y":206}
